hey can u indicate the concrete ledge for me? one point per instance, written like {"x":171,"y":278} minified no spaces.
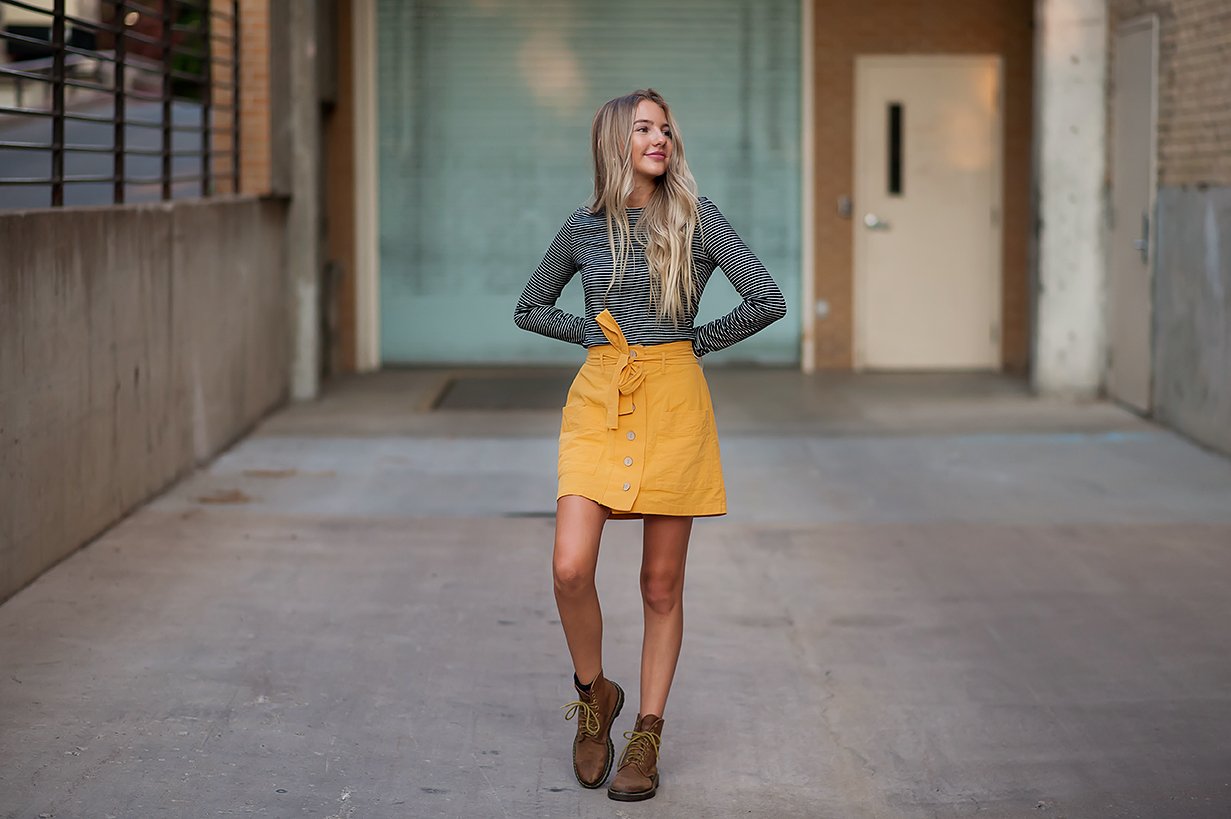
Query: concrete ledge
{"x":135,"y":342}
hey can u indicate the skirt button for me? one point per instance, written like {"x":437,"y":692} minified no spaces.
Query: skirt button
{"x":631,"y":435}
{"x":628,"y":461}
{"x":626,"y":487}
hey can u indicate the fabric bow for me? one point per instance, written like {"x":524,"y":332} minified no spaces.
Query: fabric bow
{"x":628,"y":375}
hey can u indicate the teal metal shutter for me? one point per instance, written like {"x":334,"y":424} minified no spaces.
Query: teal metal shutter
{"x":484,"y":117}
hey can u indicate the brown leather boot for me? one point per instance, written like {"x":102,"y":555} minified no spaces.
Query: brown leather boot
{"x":592,"y":748}
{"x":637,"y":777}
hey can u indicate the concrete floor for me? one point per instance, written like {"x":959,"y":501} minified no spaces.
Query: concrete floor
{"x":934,"y":597}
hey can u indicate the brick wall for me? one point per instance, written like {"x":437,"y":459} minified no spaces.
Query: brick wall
{"x":223,"y":48}
{"x":844,"y":30}
{"x":254,"y":153}
{"x":1194,"y":86}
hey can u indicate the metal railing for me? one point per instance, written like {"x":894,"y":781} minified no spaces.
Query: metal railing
{"x":155,"y":115}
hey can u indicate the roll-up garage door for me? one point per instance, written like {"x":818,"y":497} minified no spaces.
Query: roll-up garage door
{"x":484,"y":111}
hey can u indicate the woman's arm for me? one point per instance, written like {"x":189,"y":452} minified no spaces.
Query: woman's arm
{"x":763,"y":302}
{"x":536,"y":310}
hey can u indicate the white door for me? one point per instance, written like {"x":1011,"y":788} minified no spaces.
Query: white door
{"x":1130,"y":304}
{"x":927,"y":212}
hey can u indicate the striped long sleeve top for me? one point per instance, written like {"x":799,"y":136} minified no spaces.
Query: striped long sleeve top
{"x":581,"y":245}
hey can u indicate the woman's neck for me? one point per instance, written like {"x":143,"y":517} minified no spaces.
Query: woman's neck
{"x":642,"y":191}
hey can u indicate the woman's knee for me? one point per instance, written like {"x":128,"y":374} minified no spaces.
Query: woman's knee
{"x":572,"y":577}
{"x":662,"y":591}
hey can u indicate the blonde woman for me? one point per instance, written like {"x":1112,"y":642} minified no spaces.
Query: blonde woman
{"x":637,"y":435}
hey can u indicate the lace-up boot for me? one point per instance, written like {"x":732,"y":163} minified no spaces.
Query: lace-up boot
{"x":595,"y":711}
{"x":637,"y":777}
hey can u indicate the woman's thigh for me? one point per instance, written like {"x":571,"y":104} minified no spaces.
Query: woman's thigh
{"x":665,"y":547}
{"x":579,"y":528}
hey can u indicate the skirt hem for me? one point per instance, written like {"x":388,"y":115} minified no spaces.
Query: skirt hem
{"x":637,"y":514}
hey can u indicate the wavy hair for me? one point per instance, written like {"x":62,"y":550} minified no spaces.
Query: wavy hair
{"x":669,"y":219}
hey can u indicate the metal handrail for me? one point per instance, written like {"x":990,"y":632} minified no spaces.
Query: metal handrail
{"x":100,"y":179}
{"x":121,"y":75}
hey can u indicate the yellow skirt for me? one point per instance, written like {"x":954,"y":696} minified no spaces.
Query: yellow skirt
{"x":637,"y":431}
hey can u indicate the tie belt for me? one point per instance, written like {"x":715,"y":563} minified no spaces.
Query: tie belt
{"x":629,"y":373}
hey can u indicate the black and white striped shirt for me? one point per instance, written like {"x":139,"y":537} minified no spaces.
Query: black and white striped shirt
{"x":581,"y":245}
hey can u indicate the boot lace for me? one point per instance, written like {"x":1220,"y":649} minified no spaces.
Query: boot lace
{"x":587,"y":722}
{"x":642,"y":747}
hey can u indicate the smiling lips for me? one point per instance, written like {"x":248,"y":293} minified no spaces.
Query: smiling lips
{"x":657,"y":155}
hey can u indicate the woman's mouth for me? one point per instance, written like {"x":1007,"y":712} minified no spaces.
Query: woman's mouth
{"x":656,"y":155}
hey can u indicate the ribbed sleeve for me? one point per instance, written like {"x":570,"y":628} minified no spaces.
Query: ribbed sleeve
{"x":536,"y":310}
{"x":762,"y":304}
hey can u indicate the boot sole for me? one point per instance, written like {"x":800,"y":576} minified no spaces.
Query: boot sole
{"x":610,"y":747}
{"x":640,"y":796}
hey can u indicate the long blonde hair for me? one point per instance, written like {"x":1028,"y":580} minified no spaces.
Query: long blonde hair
{"x":667,"y":222}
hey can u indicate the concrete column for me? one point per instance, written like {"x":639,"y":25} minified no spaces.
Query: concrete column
{"x":298,"y":173}
{"x":367,"y":186}
{"x":1071,"y":55}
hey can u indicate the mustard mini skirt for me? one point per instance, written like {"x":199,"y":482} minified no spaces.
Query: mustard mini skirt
{"x":637,"y":431}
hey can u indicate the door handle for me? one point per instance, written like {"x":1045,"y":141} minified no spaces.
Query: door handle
{"x":1142,"y":245}
{"x":873,"y":222}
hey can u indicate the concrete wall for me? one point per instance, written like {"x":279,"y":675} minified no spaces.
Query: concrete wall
{"x":340,"y":204}
{"x":1192,"y":314}
{"x":135,"y":342}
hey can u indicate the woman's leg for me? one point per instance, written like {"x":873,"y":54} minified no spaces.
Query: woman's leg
{"x":664,"y":550}
{"x":579,"y":526}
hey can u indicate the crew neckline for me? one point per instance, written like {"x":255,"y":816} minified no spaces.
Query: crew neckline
{"x":642,"y":207}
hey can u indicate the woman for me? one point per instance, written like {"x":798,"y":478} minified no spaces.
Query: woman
{"x":637,"y":436}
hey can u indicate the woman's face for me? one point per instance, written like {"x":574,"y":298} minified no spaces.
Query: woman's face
{"x":652,"y":137}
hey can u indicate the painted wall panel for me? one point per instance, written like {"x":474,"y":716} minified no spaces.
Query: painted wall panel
{"x":484,"y":116}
